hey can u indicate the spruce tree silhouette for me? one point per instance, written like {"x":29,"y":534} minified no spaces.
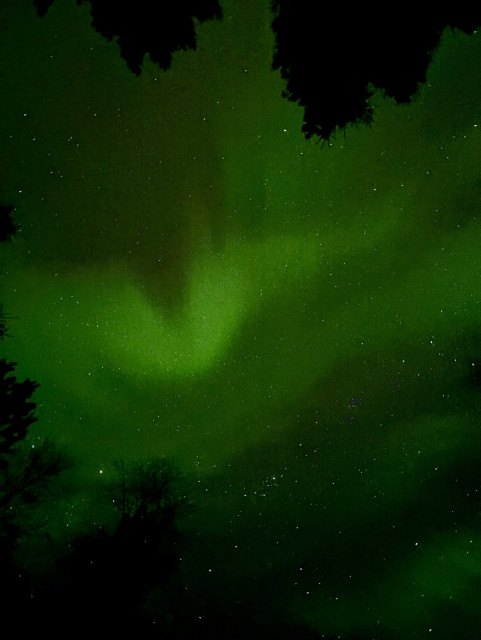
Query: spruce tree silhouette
{"x":7,"y":225}
{"x":333,"y":57}
{"x":16,"y":409}
{"x":42,"y":6}
{"x":7,"y":230}
{"x":26,"y":470}
{"x":154,"y":27}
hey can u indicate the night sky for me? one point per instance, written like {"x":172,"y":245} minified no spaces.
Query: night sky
{"x":295,"y":325}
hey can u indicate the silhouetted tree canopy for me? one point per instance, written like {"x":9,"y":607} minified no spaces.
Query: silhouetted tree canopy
{"x":16,"y":409}
{"x":25,"y":485}
{"x":110,"y":571}
{"x":147,"y":497}
{"x":7,"y":230}
{"x":146,"y":488}
{"x":42,"y":6}
{"x":3,"y":324}
{"x":29,"y":471}
{"x":7,"y":226}
{"x":26,"y":467}
{"x":156,"y":27}
{"x":333,"y":57}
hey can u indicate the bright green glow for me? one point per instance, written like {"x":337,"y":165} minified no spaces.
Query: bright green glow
{"x":294,"y":325}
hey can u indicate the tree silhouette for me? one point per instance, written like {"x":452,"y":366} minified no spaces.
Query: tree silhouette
{"x":16,"y":409}
{"x":3,"y":324}
{"x":26,"y":475}
{"x":111,"y":570}
{"x":7,"y":230}
{"x":146,"y":488}
{"x":7,"y":225}
{"x":333,"y":57}
{"x":154,"y":27}
{"x":42,"y":6}
{"x":26,"y":468}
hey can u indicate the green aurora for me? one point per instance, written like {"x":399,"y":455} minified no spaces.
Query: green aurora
{"x":293,"y":325}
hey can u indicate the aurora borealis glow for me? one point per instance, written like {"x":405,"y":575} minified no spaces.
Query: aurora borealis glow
{"x":294,"y":325}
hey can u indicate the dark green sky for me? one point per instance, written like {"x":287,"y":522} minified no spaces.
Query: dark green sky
{"x":292,"y":324}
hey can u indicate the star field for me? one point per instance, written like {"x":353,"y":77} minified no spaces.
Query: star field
{"x":292,"y":324}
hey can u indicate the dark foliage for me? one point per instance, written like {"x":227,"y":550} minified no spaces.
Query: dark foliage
{"x":42,"y":6}
{"x":26,"y":469}
{"x":155,"y":27}
{"x":16,"y":409}
{"x":3,"y":324}
{"x":109,"y":574}
{"x":7,"y":230}
{"x":331,"y":57}
{"x":24,"y":480}
{"x":25,"y":488}
{"x":146,"y":488}
{"x":7,"y":225}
